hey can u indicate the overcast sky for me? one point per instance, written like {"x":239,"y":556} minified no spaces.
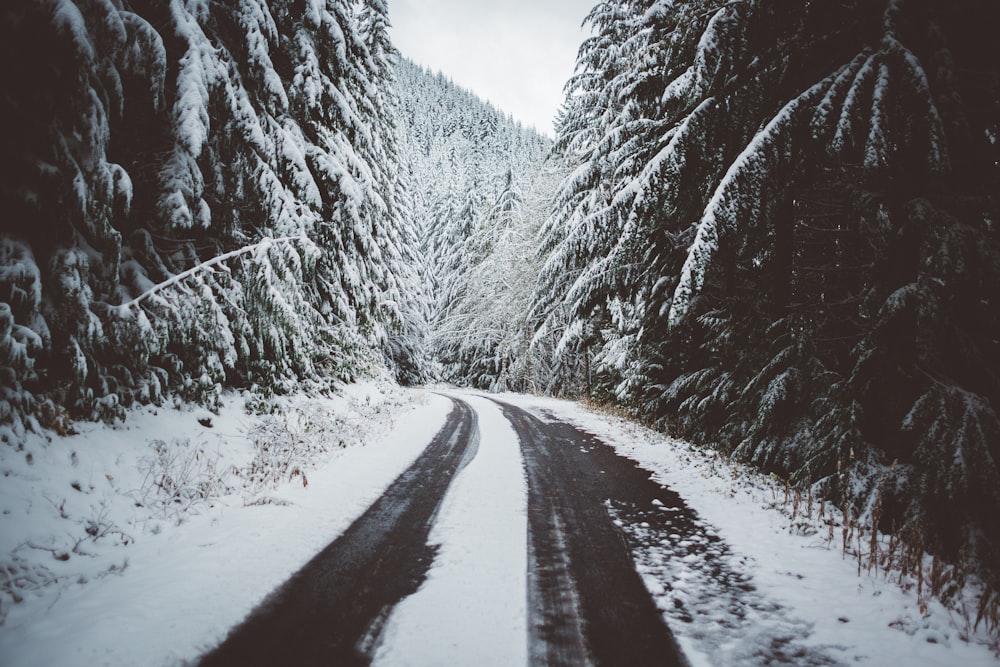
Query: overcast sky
{"x":517,"y":54}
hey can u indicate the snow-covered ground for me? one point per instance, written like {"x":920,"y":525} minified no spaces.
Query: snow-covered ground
{"x":159,"y":583}
{"x":805,"y":592}
{"x":164,"y":532}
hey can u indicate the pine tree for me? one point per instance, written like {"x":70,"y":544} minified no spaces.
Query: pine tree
{"x":153,"y":141}
{"x":470,"y":167}
{"x":748,"y":173}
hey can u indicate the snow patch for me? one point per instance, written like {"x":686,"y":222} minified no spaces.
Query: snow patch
{"x":802,"y":591}
{"x":472,"y":609}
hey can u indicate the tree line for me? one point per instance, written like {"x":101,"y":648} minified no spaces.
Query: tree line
{"x":779,"y":239}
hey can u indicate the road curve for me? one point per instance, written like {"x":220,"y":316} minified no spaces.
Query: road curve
{"x":587,"y":603}
{"x":331,"y":610}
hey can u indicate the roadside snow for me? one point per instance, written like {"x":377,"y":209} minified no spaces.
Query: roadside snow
{"x":157,"y":586}
{"x":802,"y":592}
{"x":112,"y":569}
{"x":472,"y":609}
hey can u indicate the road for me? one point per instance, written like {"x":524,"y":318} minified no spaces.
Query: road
{"x":586,"y":604}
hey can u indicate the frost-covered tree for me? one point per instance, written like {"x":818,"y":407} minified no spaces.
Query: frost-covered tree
{"x":472,"y":170}
{"x":405,"y":295}
{"x":778,"y":238}
{"x":484,"y":333}
{"x":147,"y":140}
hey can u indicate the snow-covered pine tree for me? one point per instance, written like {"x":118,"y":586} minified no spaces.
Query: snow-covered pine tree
{"x":471,"y":169}
{"x":60,"y":194}
{"x":778,"y":239}
{"x":484,"y":334}
{"x":147,"y":139}
{"x":405,"y":294}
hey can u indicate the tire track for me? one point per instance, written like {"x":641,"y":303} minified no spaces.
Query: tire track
{"x":587,"y":603}
{"x":331,"y":611}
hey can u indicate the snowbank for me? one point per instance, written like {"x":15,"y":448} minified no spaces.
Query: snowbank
{"x":144,"y":543}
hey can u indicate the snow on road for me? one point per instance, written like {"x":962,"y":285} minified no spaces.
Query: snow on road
{"x":472,"y":609}
{"x":186,"y":584}
{"x":804,"y":590}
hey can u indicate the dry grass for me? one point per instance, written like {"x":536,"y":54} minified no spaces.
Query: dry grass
{"x":901,"y":557}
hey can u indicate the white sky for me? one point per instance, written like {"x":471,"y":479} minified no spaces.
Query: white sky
{"x":518,"y":54}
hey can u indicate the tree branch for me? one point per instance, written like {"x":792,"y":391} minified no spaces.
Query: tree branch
{"x":204,"y":266}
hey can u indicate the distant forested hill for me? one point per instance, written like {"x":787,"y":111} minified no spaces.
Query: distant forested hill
{"x":481,"y":189}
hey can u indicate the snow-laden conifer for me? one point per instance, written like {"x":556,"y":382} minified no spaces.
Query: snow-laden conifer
{"x":748,"y":250}
{"x":163,"y":147}
{"x":472,"y":171}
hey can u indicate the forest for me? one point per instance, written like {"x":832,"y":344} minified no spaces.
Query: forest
{"x":771,"y":232}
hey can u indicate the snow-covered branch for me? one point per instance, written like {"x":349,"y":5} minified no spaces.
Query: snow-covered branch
{"x":207,"y":265}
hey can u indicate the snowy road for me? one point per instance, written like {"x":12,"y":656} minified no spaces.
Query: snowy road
{"x":330,"y":611}
{"x":418,"y":543}
{"x":497,"y":546}
{"x":587,"y":603}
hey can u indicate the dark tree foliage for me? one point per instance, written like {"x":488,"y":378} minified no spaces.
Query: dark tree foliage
{"x":141,"y":140}
{"x":780,"y":239}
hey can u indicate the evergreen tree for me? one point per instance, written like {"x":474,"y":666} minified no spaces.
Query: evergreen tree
{"x":470,"y":169}
{"x":777,"y":239}
{"x":151,"y":140}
